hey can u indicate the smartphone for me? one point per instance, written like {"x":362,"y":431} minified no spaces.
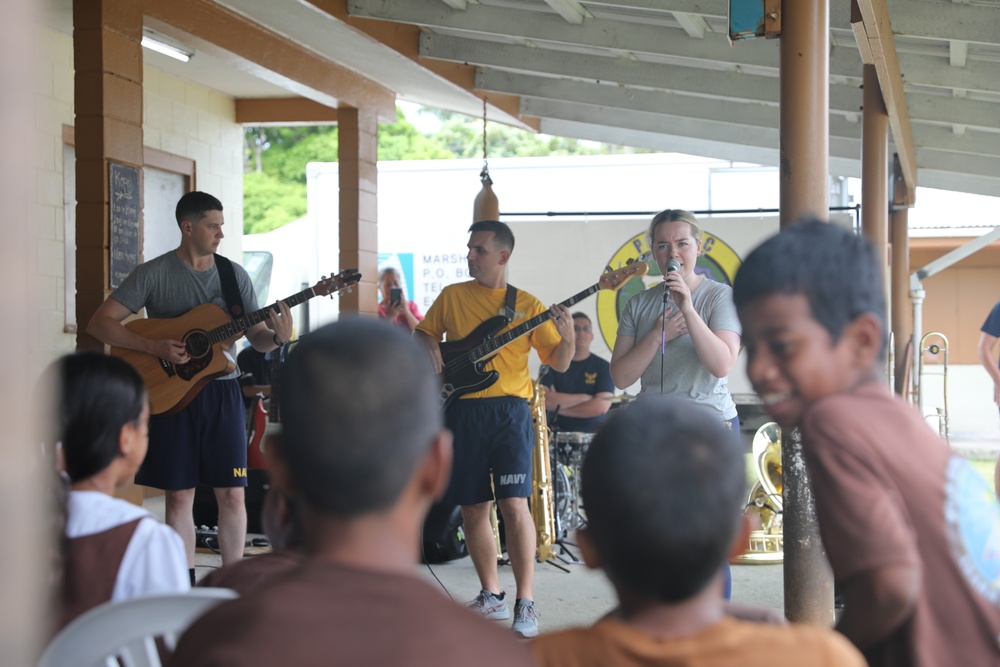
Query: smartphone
{"x":395,"y":296}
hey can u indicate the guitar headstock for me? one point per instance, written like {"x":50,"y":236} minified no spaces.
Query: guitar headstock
{"x":338,"y":283}
{"x":613,"y":280}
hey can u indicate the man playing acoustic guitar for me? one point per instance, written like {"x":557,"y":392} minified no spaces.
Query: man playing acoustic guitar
{"x":492,"y":427}
{"x":205,"y":442}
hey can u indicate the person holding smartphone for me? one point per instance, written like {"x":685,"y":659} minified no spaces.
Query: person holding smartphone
{"x":394,"y":305}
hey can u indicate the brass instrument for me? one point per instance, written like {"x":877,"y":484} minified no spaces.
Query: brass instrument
{"x":942,"y":412}
{"x":765,"y":501}
{"x":542,"y":507}
{"x":495,"y":525}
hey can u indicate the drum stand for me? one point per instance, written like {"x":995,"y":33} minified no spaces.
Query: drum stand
{"x":571,"y":495}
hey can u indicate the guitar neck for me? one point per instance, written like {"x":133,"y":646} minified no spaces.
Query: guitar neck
{"x":241,"y":324}
{"x":492,"y":345}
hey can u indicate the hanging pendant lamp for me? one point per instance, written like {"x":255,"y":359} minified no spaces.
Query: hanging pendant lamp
{"x":486,"y":206}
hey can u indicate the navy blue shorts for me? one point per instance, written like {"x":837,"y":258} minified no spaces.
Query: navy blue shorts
{"x":205,"y":443}
{"x":492,"y":435}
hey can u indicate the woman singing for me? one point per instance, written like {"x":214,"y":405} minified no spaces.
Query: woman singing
{"x":686,"y":326}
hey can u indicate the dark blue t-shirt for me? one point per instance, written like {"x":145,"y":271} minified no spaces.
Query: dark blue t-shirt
{"x":590,"y":376}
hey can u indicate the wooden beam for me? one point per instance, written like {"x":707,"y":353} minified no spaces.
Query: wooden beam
{"x":882,"y":47}
{"x":283,"y":111}
{"x":405,"y":39}
{"x":271,"y":56}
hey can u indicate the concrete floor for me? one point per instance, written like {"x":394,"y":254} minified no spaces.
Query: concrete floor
{"x":570,"y":598}
{"x":581,"y":596}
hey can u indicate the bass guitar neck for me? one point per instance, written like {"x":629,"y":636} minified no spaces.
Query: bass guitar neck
{"x":465,"y":360}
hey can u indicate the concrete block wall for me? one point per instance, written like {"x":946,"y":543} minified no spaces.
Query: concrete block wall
{"x":180,"y":117}
{"x":54,"y":97}
{"x":196,"y":122}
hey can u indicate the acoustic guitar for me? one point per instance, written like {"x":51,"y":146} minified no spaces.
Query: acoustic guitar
{"x":203,"y":330}
{"x":465,"y":360}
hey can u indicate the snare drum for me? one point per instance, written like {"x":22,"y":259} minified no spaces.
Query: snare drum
{"x":571,"y":447}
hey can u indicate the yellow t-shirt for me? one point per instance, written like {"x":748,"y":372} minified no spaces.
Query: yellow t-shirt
{"x":460,"y":308}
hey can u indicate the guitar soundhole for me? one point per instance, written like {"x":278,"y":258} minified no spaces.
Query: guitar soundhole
{"x":199,"y":348}
{"x":197,"y":344}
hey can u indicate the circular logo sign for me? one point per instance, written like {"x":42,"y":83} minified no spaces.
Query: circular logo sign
{"x":717,"y":261}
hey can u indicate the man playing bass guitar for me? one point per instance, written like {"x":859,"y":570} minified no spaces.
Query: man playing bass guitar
{"x":204,"y":442}
{"x":492,"y":427}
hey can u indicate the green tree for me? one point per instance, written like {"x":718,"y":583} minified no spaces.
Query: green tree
{"x":269,"y":203}
{"x":274,"y":182}
{"x":402,"y":141}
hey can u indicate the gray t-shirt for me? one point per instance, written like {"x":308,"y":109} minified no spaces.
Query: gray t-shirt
{"x":683,"y":372}
{"x":167,"y":287}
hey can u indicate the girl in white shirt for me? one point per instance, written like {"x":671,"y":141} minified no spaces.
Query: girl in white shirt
{"x":112,"y":550}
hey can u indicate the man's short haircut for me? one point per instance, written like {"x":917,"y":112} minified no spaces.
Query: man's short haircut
{"x":663,"y":484}
{"x":359,"y":407}
{"x":195,"y":205}
{"x":836,"y":270}
{"x":502,"y":233}
{"x":581,"y":315}
{"x":674,"y":215}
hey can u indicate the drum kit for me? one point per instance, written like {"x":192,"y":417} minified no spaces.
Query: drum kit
{"x":568,"y":450}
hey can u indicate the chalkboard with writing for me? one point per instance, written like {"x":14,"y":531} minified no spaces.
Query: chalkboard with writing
{"x":125,"y":207}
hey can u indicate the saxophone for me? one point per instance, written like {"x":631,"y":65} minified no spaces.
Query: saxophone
{"x":542,"y":510}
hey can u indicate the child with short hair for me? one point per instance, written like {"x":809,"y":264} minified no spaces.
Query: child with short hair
{"x":112,"y":550}
{"x":663,"y":483}
{"x":364,"y":453}
{"x":911,"y":530}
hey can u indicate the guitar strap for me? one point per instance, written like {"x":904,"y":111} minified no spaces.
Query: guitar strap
{"x":230,"y":290}
{"x":510,"y":303}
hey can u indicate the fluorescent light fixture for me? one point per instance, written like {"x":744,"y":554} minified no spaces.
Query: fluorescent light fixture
{"x":166,"y":49}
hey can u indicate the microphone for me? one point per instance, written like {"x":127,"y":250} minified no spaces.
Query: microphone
{"x":672,"y":265}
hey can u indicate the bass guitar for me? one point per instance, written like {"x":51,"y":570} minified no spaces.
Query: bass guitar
{"x":203,"y":330}
{"x":465,"y":360}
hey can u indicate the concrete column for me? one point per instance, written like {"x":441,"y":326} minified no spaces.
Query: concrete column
{"x":875,"y":167}
{"x":107,"y":55}
{"x":805,"y":152}
{"x":26,"y":521}
{"x":357,"y":153}
{"x":902,"y":312}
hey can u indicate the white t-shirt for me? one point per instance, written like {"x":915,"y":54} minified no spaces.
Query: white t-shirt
{"x":155,"y":560}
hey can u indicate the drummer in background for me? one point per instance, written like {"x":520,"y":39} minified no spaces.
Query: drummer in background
{"x":583,"y":393}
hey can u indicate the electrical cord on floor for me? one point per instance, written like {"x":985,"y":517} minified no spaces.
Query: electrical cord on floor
{"x":423,"y":557}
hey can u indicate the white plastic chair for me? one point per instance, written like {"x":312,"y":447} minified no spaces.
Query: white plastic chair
{"x":123,"y":634}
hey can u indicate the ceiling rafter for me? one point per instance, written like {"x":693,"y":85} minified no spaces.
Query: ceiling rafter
{"x":943,"y":111}
{"x":694,"y":25}
{"x":927,"y":19}
{"x":571,"y":10}
{"x":629,"y":38}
